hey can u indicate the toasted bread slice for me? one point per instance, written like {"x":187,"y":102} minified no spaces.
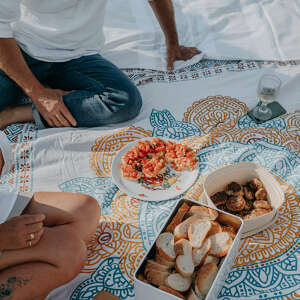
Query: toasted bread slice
{"x":197,"y":232}
{"x":171,"y":291}
{"x":203,"y":212}
{"x":184,"y":261}
{"x":230,"y":230}
{"x":184,"y":208}
{"x":165,"y":246}
{"x":185,"y":265}
{"x":141,"y":277}
{"x":163,"y":261}
{"x":205,"y":277}
{"x":157,"y":278}
{"x":199,"y":254}
{"x":181,"y":230}
{"x":229,"y":220}
{"x":183,"y":247}
{"x":192,"y":295}
{"x":210,"y":258}
{"x":153,"y":265}
{"x":215,"y":228}
{"x":178,"y":282}
{"x":220,"y":244}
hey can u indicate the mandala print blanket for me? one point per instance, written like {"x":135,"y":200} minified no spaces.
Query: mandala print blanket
{"x":198,"y":106}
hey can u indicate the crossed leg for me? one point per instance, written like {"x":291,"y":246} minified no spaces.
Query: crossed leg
{"x":31,"y":273}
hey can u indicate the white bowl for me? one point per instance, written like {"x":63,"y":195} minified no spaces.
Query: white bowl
{"x":241,"y":173}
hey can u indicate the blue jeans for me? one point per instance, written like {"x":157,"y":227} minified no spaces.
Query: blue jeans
{"x":102,"y":93}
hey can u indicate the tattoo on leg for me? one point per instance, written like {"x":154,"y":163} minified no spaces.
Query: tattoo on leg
{"x":7,"y":289}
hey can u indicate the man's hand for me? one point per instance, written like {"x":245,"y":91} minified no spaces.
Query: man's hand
{"x":50,"y":105}
{"x":21,"y":232}
{"x":180,"y":53}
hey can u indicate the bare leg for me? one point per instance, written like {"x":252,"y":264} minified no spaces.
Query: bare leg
{"x":15,"y":114}
{"x":81,"y":212}
{"x":31,"y":273}
{"x":35,"y":271}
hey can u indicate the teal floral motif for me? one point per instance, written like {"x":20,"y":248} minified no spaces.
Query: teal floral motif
{"x":152,"y":216}
{"x":277,"y":280}
{"x":165,"y":125}
{"x":102,"y":189}
{"x":246,"y":122}
{"x":108,"y":277}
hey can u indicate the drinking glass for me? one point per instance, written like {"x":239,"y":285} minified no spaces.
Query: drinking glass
{"x":267,"y":91}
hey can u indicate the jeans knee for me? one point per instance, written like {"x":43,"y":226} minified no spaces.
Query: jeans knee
{"x":134,"y":104}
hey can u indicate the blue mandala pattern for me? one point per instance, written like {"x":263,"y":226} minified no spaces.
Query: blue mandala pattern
{"x":152,"y":216}
{"x":246,"y":122}
{"x":165,"y":125}
{"x":270,"y":282}
{"x":108,"y":277}
{"x":102,"y":189}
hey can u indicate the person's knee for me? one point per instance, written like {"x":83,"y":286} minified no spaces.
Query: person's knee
{"x":132,"y":105}
{"x":91,"y":210}
{"x":70,"y":255}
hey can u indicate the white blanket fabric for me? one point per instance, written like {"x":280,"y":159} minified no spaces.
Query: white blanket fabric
{"x":222,"y":29}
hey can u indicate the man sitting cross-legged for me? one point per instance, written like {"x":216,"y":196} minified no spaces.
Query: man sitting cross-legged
{"x":43,"y":241}
{"x":49,"y":52}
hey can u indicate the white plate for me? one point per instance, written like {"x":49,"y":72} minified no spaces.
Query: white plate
{"x":135,"y":189}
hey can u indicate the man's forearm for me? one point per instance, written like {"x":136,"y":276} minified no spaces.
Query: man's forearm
{"x":14,"y":65}
{"x":164,"y":12}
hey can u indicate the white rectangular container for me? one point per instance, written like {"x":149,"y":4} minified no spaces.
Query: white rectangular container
{"x":145,"y":291}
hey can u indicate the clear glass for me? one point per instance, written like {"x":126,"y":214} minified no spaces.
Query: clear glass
{"x":267,"y":91}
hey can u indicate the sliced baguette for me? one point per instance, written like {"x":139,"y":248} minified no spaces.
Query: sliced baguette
{"x":163,"y":261}
{"x":141,"y":277}
{"x":185,"y":265}
{"x":203,"y":212}
{"x":178,"y":282}
{"x":181,"y":230}
{"x":153,"y":265}
{"x":178,"y":217}
{"x":183,"y":247}
{"x":230,"y":230}
{"x":220,"y":244}
{"x":198,"y":231}
{"x":165,"y":246}
{"x":193,"y":296}
{"x":215,"y":228}
{"x":184,"y":261}
{"x":210,"y":258}
{"x":171,"y":291}
{"x":157,"y":278}
{"x":205,"y":277}
{"x":229,"y":220}
{"x":200,"y":254}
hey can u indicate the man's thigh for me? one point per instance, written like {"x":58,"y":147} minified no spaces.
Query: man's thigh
{"x":91,"y":72}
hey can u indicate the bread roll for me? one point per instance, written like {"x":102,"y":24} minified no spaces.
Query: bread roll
{"x":205,"y":277}
{"x":220,"y":244}
{"x":165,"y":246}
{"x":178,"y":217}
{"x":198,"y":231}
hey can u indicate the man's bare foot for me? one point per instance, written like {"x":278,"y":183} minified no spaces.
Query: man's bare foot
{"x":1,"y":161}
{"x":16,"y":114}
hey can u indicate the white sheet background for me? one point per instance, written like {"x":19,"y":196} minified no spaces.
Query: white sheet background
{"x":222,"y":29}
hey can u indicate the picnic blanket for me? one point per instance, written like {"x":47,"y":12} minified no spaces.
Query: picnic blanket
{"x":222,"y":29}
{"x":199,"y":106}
